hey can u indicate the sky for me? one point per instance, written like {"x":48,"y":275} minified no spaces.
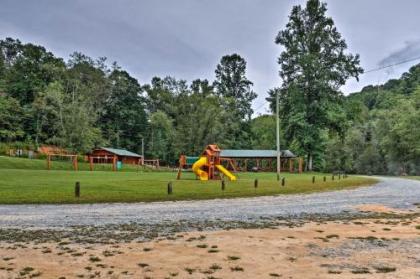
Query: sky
{"x":186,"y":38}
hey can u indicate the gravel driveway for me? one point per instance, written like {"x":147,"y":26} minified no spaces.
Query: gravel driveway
{"x":392,"y":192}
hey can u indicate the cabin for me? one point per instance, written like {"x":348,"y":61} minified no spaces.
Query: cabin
{"x":111,"y":155}
{"x":261,"y":160}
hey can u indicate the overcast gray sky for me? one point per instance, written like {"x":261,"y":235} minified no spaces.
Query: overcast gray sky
{"x":187,"y":38}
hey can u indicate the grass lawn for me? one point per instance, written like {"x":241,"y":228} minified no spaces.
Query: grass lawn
{"x":41,"y":164}
{"x":412,"y":177}
{"x":19,"y":186}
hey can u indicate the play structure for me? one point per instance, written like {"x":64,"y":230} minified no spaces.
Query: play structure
{"x":207,"y":166}
{"x":214,"y":161}
{"x":62,"y":157}
{"x":54,"y":153}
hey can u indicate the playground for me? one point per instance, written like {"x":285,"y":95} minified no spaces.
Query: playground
{"x":27,"y":181}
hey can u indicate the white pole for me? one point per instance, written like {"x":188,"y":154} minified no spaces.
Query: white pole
{"x":278,"y":134}
{"x":142,"y":150}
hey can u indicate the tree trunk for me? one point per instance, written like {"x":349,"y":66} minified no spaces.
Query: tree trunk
{"x":309,"y":162}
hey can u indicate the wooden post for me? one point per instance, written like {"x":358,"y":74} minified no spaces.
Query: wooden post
{"x":90,"y":163}
{"x":178,"y":176}
{"x":291,"y":165}
{"x":283,"y":181}
{"x":48,"y":162}
{"x":325,"y":178}
{"x":332,"y":178}
{"x":313,"y":179}
{"x":232,"y":165}
{"x":114,"y":163}
{"x":77,"y":190}
{"x":170,"y":188}
{"x":76,"y":165}
{"x":300,"y":164}
{"x":223,"y":185}
{"x":256,"y":183}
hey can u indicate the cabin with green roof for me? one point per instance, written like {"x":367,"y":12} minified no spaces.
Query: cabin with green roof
{"x":108,"y":155}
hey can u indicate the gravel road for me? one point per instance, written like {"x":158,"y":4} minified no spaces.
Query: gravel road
{"x":392,"y":192}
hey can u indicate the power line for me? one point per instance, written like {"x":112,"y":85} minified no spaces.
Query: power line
{"x":260,"y":106}
{"x":392,"y":65}
{"x":368,"y":71}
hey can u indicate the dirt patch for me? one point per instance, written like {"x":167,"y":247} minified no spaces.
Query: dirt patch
{"x":379,"y":208}
{"x":365,"y":248}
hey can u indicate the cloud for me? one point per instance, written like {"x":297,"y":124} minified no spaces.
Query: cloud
{"x":411,"y":49}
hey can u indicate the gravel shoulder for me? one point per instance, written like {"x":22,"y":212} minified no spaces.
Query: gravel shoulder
{"x":392,"y":192}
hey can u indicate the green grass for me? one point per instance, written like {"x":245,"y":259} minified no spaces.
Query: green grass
{"x":56,"y":164}
{"x":20,"y":186}
{"x":412,"y":177}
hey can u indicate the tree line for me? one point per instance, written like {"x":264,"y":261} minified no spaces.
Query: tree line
{"x":375,"y":131}
{"x":84,"y":103}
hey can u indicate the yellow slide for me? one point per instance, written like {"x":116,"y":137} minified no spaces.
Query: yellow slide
{"x":196,"y":167}
{"x":226,"y":172}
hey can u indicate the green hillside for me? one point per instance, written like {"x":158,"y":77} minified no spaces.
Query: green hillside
{"x":383,"y":132}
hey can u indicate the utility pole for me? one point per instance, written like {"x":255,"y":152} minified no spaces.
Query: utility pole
{"x":278,"y":134}
{"x":142,"y":149}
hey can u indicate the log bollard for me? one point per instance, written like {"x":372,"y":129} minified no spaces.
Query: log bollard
{"x":325,"y":178}
{"x":170,"y":188}
{"x":256,"y":183}
{"x":223,"y":185}
{"x":332,"y":178}
{"x":283,"y":181}
{"x":313,"y":179}
{"x":77,"y":190}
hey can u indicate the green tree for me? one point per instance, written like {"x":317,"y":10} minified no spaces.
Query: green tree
{"x":29,"y":68}
{"x":123,"y":118}
{"x":164,"y":95}
{"x":233,"y":86}
{"x":313,"y":66}
{"x":11,"y":116}
{"x":263,"y":129}
{"x":236,"y":95}
{"x":202,"y":87}
{"x":200,"y":121}
{"x":71,"y":121}
{"x":160,"y":138}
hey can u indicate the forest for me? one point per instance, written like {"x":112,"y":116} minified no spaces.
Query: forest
{"x":82,"y":103}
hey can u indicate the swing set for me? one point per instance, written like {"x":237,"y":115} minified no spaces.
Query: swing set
{"x":71,"y":157}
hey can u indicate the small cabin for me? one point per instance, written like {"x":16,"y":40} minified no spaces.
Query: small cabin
{"x":122,"y":155}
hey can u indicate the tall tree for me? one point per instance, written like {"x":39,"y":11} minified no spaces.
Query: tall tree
{"x":160,"y":137}
{"x":11,"y":116}
{"x":313,"y":66}
{"x":235,"y":92}
{"x":70,"y":121}
{"x":29,"y":69}
{"x":123,"y":118}
{"x":233,"y":85}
